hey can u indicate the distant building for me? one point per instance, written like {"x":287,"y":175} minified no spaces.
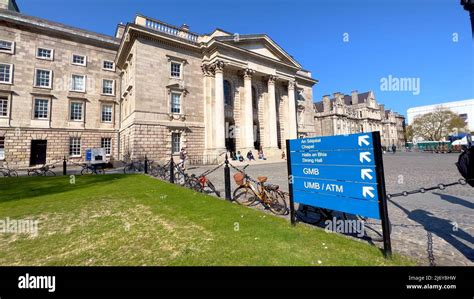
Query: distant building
{"x":465,"y":109}
{"x":356,"y":113}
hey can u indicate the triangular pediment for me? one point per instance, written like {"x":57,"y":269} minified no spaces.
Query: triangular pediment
{"x":262,"y":45}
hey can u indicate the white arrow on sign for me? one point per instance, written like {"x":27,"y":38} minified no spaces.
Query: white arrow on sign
{"x":363,"y":140}
{"x":366,"y":173}
{"x":365,"y":156}
{"x":368,"y":191}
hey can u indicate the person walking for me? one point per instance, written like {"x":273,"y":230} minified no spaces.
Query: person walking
{"x":394,"y":149}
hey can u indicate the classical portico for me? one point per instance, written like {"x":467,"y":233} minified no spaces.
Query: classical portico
{"x":250,"y":120}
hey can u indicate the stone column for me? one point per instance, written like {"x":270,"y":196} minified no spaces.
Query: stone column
{"x":292,"y":127}
{"x":219,"y":112}
{"x":272,"y":114}
{"x":208,"y":115}
{"x":247,"y":112}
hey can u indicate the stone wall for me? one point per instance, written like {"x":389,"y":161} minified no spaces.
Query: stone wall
{"x":18,"y":144}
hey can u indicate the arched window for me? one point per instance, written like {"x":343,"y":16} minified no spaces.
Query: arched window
{"x":254,"y":98}
{"x":227,"y":93}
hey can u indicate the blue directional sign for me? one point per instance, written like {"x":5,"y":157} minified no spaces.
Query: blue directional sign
{"x":335,"y":172}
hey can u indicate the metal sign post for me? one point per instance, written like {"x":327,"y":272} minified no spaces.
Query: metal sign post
{"x":387,"y":244}
{"x":342,"y":173}
{"x":290,"y":183}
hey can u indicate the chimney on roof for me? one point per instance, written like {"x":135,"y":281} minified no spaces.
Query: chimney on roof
{"x":339,"y":97}
{"x":185,"y":28}
{"x":9,"y":4}
{"x":326,"y":103}
{"x":355,"y":97}
{"x":120,"y":30}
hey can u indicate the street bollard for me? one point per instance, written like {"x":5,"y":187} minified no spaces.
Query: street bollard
{"x":64,"y":166}
{"x":171,"y":170}
{"x":228,"y":195}
{"x":146,"y":165}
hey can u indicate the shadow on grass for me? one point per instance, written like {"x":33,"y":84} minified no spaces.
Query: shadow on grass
{"x":12,"y":189}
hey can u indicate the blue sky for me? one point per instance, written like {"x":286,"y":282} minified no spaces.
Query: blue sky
{"x":346,"y":44}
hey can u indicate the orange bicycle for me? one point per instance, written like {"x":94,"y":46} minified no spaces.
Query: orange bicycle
{"x":267,"y":194}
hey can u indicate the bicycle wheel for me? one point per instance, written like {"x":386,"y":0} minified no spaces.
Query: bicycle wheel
{"x":86,"y":171}
{"x":193,"y":184}
{"x":49,"y":173}
{"x":244,"y":196}
{"x":13,"y":173}
{"x":34,"y":173}
{"x":309,"y":214}
{"x":277,"y":202}
{"x":179,"y":178}
{"x":129,"y":169}
{"x":100,"y":171}
{"x":372,"y":229}
{"x":213,"y":189}
{"x":3,"y":174}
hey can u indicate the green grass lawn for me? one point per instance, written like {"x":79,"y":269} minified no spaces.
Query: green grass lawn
{"x":138,"y":220}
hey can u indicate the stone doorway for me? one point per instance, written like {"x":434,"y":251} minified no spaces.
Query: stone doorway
{"x":38,"y":152}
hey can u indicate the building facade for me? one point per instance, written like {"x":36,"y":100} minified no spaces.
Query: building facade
{"x":58,"y":91}
{"x":465,"y":109}
{"x":153,"y":89}
{"x":150,"y":90}
{"x":357,"y":113}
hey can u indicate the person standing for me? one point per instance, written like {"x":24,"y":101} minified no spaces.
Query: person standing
{"x":394,"y":149}
{"x":183,"y":155}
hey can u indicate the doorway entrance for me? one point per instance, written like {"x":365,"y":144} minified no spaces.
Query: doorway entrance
{"x":38,"y":152}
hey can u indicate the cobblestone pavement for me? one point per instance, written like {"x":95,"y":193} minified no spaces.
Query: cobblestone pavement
{"x":435,"y":228}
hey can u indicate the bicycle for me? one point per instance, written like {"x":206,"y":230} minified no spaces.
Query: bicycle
{"x":7,"y":171}
{"x":316,"y":216}
{"x":267,"y":194}
{"x":88,"y":169}
{"x":134,"y":167}
{"x":44,"y":170}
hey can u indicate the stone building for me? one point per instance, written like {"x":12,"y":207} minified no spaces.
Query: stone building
{"x":356,"y":113}
{"x":58,"y":90}
{"x":150,"y":90}
{"x":154,"y":88}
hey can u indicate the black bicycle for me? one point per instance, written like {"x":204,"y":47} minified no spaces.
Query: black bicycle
{"x":42,"y":171}
{"x":88,"y":169}
{"x":6,"y":171}
{"x":134,"y":167}
{"x":317,"y":216}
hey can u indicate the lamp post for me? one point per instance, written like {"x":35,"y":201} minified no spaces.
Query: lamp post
{"x":469,"y":6}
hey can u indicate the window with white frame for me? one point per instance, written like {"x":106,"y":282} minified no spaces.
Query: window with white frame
{"x":76,"y":111}
{"x":41,"y":108}
{"x":43,"y":78}
{"x":106,"y":143}
{"x":108,"y":65}
{"x":108,"y":87}
{"x":43,"y":53}
{"x":175,"y":69}
{"x":7,"y":46}
{"x":175,"y":102}
{"x":78,"y":83}
{"x":75,"y":146}
{"x":107,"y":113}
{"x":2,"y":148}
{"x":3,"y":106}
{"x":79,"y":60}
{"x":6,"y":73}
{"x":175,"y":142}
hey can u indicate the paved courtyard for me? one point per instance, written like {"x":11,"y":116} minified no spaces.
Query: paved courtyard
{"x":435,"y":228}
